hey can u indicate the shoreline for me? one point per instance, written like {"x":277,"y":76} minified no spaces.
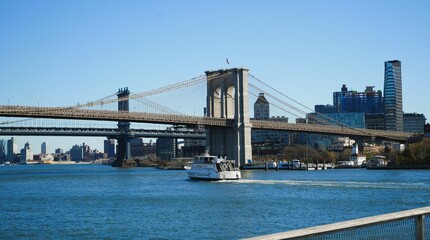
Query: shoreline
{"x":400,"y":168}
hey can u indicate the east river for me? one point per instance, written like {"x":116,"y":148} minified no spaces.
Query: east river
{"x":101,"y":202}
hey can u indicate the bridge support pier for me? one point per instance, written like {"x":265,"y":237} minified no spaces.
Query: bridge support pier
{"x":227,"y":97}
{"x":123,"y":155}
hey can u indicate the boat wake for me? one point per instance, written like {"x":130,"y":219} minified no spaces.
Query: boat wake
{"x":336,"y":184}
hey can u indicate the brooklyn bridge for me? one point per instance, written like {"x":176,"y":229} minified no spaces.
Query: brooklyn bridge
{"x":222,"y":117}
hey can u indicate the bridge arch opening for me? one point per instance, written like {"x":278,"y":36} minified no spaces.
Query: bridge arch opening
{"x":230,"y":103}
{"x":217,"y":103}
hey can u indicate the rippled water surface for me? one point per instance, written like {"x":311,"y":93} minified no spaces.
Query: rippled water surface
{"x":101,"y":202}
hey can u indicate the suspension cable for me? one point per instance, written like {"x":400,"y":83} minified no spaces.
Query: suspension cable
{"x":295,"y":108}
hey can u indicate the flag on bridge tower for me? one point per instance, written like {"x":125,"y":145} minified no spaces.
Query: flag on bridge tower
{"x":226,"y":59}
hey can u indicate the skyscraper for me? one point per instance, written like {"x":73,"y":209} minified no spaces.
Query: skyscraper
{"x":393,"y":100}
{"x":44,"y":148}
{"x":12,"y":149}
{"x":26,"y":154}
{"x":109,"y":147}
{"x":2,"y":151}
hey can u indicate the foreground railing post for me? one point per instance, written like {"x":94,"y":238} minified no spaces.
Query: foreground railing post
{"x":419,"y":227}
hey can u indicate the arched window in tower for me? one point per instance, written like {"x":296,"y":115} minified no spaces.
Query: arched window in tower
{"x":230,"y":106}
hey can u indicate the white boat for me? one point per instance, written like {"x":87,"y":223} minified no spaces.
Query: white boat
{"x":188,"y":165}
{"x":207,"y":167}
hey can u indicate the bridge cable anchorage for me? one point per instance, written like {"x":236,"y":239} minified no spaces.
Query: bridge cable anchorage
{"x":295,"y":108}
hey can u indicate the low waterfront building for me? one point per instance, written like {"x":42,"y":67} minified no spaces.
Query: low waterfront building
{"x":340,"y":143}
{"x":357,"y":158}
{"x":377,"y":161}
{"x":372,"y":148}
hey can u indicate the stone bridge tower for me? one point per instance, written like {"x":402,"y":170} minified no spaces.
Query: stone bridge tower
{"x":227,"y":97}
{"x":124,"y":140}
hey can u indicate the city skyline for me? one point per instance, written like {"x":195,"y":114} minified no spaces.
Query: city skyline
{"x":43,"y":148}
{"x":57,"y":53}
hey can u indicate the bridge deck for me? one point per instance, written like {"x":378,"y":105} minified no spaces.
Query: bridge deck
{"x":105,"y":115}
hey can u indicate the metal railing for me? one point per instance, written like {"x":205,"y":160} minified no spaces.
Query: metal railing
{"x":408,"y":224}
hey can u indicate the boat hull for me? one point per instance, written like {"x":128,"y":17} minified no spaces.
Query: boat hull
{"x":213,"y":176}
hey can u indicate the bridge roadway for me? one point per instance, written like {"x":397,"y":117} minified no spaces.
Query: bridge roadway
{"x":99,"y":132}
{"x":106,"y":115}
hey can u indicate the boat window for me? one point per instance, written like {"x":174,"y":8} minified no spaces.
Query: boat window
{"x":218,"y":167}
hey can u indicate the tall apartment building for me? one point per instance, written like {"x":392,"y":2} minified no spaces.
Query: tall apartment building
{"x":109,"y":147}
{"x":77,"y":153}
{"x":2,"y":151}
{"x":393,"y":99}
{"x":44,"y":148}
{"x":261,"y":108}
{"x":349,"y":106}
{"x":261,"y":112}
{"x":369,"y":101}
{"x":26,"y":154}
{"x":12,"y":150}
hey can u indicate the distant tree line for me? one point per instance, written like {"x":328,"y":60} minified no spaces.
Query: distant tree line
{"x":415,"y":154}
{"x":310,"y":154}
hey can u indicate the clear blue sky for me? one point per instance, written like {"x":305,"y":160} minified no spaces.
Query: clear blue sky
{"x":62,"y":52}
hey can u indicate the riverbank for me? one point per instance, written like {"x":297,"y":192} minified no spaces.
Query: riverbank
{"x":399,"y":168}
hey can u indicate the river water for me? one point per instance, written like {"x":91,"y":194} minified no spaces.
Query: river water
{"x":101,"y":202}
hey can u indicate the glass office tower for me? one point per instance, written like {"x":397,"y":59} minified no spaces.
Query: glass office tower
{"x":393,"y":100}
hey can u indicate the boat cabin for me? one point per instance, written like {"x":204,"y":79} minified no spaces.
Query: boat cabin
{"x":205,"y":159}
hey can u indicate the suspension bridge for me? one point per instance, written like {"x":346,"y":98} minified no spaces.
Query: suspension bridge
{"x":216,"y":104}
